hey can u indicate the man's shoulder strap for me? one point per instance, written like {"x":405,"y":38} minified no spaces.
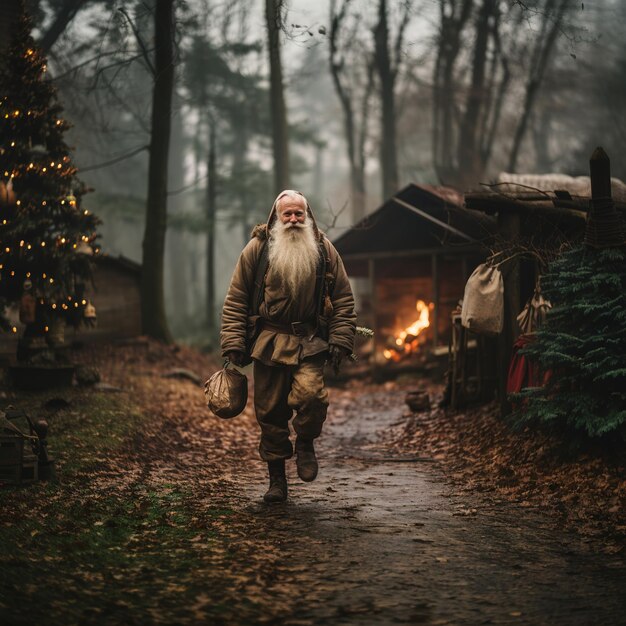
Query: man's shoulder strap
{"x":259,"y":279}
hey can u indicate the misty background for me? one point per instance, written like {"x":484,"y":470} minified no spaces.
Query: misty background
{"x":470,"y":88}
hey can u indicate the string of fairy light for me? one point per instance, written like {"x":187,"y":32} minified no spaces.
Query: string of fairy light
{"x":30,"y":175}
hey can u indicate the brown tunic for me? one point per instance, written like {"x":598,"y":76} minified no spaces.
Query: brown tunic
{"x":270,"y":347}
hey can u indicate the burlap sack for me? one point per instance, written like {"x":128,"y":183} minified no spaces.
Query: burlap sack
{"x":483,"y":302}
{"x":226,"y":393}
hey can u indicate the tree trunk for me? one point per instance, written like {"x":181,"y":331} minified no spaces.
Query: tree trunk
{"x":545,"y":44}
{"x":280,"y":139}
{"x":386,"y":76}
{"x":449,"y":45}
{"x":153,"y":319}
{"x":470,"y":166}
{"x":65,"y":14}
{"x":211,"y":202}
{"x":178,"y":298}
{"x":355,"y":141}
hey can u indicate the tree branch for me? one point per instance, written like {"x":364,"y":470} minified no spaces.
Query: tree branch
{"x":144,"y":50}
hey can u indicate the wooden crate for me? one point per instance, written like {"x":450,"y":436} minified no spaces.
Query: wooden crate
{"x":11,"y":450}
{"x":30,"y":469}
{"x":10,"y":474}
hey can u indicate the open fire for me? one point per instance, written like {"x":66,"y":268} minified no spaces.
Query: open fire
{"x":407,"y":341}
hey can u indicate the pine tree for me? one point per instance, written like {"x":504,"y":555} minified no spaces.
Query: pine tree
{"x":47,"y":238}
{"x":582,"y":344}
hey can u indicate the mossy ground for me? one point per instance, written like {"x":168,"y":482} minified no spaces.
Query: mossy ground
{"x":105,"y":543}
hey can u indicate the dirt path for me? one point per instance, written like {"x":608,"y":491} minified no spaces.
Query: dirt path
{"x":381,"y":540}
{"x":167,"y":525}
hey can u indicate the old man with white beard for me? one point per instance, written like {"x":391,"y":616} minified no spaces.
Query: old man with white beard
{"x":289,"y":309}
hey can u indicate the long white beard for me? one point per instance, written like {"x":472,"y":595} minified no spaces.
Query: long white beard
{"x":293,"y":254}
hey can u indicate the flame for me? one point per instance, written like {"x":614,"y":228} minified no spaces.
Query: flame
{"x":406,"y":341}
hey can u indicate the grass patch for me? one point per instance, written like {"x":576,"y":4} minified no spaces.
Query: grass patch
{"x":98,"y":547}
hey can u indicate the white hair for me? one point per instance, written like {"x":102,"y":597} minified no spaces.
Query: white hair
{"x":293,"y":194}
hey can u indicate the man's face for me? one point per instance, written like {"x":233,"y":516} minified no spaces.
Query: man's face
{"x":291,"y":211}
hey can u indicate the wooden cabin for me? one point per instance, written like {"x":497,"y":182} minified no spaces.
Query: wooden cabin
{"x":115,"y":293}
{"x":419,"y":245}
{"x":536,"y":213}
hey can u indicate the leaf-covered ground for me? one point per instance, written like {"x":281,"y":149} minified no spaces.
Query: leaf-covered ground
{"x":581,"y":487}
{"x":158,"y":518}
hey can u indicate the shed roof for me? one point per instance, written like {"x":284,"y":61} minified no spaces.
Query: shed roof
{"x":120,"y":262}
{"x":417,"y":217}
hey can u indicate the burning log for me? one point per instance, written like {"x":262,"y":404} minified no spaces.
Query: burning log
{"x":407,"y":341}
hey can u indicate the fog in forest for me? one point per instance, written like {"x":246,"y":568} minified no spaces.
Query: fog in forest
{"x":467,"y":89}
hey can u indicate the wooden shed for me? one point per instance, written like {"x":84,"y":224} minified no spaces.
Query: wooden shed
{"x":116,"y":297}
{"x":534,"y":212}
{"x":421,"y":245}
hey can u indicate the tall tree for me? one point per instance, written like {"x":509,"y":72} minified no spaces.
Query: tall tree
{"x":47,"y":236}
{"x":278,"y":109}
{"x":348,"y":64}
{"x":153,"y":318}
{"x":551,"y":25}
{"x":387,"y":70}
{"x":211,"y":210}
{"x":471,"y":167}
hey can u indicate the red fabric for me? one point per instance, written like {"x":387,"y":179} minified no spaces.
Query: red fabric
{"x":522,"y":371}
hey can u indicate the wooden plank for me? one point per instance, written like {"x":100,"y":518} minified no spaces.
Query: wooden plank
{"x":435,"y":298}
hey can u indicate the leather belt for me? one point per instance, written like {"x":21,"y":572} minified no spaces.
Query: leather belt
{"x":299,"y":329}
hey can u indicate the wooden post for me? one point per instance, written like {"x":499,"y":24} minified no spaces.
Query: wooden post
{"x":371,"y":275}
{"x":435,"y":274}
{"x":600,"y":173}
{"x":510,"y":228}
{"x":605,"y":227}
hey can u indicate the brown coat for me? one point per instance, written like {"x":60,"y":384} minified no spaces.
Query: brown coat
{"x":274,"y":348}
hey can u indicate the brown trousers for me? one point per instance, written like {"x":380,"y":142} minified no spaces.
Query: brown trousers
{"x":279,"y":390}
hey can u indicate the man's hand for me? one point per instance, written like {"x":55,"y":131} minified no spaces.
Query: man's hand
{"x":336,"y":355}
{"x":236,"y":358}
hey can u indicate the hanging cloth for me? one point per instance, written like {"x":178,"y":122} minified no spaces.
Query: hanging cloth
{"x":483,"y":301}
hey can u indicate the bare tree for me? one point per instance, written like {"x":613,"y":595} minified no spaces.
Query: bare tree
{"x":468,"y":148}
{"x":387,"y":67}
{"x":211,"y":210}
{"x":552,"y":20}
{"x":355,"y":117}
{"x":65,"y":13}
{"x":280,"y":139}
{"x":454,"y":15}
{"x":153,"y":318}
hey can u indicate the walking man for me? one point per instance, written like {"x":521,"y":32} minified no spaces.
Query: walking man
{"x":289,"y":308}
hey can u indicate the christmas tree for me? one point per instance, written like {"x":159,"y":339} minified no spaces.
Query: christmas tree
{"x":47,"y":239}
{"x":582,"y":345}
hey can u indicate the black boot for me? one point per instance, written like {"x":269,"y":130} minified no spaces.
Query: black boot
{"x":278,"y":482}
{"x":305,"y":460}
